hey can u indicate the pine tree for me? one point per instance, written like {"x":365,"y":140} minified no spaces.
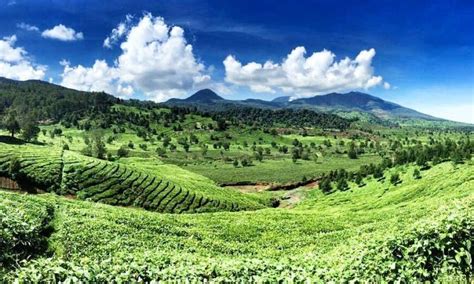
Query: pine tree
{"x":342,"y":184}
{"x":325,"y":185}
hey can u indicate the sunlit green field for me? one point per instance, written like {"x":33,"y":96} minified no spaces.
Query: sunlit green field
{"x":321,"y":238}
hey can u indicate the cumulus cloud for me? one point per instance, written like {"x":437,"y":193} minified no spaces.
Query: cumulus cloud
{"x":15,"y":64}
{"x":27,"y":27}
{"x":118,"y":32}
{"x":304,"y":76}
{"x":63,"y":33}
{"x":155,"y":60}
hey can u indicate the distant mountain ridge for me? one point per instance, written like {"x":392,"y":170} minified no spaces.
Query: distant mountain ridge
{"x":333,"y":103}
{"x":350,"y":105}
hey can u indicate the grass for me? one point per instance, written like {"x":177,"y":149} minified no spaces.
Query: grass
{"x":322,"y":238}
{"x":277,"y":171}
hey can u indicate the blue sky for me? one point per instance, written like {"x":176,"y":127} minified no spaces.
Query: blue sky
{"x":416,"y":53}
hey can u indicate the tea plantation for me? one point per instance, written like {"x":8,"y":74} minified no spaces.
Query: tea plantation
{"x":418,"y":230}
{"x":39,"y":168}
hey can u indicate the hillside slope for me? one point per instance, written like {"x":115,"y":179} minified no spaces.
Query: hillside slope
{"x":162,"y":190}
{"x":339,"y":237}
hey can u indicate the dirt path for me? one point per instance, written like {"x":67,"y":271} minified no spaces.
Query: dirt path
{"x":295,"y":196}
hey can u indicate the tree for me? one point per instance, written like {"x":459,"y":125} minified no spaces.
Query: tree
{"x":11,"y":123}
{"x":358,"y":180}
{"x":416,"y":174}
{"x":235,"y":163}
{"x":325,"y":185}
{"x":221,"y":125}
{"x":30,"y":129}
{"x":99,"y":149}
{"x":352,"y":153}
{"x":378,"y":172}
{"x":122,"y":151}
{"x":342,"y":184}
{"x":226,"y":146}
{"x":96,"y":146}
{"x":161,"y":151}
{"x":166,"y":141}
{"x":395,"y":179}
{"x":204,"y":149}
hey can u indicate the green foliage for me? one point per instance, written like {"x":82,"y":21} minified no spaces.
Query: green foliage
{"x":357,"y":235}
{"x":163,"y":189}
{"x":395,"y":179}
{"x":422,"y":255}
{"x":10,"y":122}
{"x":23,"y":230}
{"x":325,"y":185}
{"x":416,"y":173}
{"x":123,"y":151}
{"x":29,"y":129}
{"x":352,"y":153}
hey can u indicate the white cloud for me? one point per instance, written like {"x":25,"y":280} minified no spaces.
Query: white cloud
{"x":64,"y":62}
{"x":155,"y":60}
{"x":63,"y":33}
{"x":15,"y":64}
{"x":99,"y":77}
{"x":304,"y":76}
{"x":27,"y":27}
{"x":117,"y":33}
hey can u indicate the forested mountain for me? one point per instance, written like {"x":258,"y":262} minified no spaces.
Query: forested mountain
{"x":47,"y":101}
{"x":356,"y":101}
{"x":362,"y":103}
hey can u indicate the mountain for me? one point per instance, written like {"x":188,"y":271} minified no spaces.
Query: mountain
{"x":359,"y":102}
{"x":56,"y":101}
{"x":353,"y":104}
{"x":205,"y":96}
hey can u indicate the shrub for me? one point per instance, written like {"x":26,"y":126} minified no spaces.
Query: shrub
{"x":122,"y":151}
{"x":395,"y":179}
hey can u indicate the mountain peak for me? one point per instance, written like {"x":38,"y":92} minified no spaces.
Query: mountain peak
{"x":204,"y":96}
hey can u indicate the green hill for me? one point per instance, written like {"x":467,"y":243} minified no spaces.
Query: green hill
{"x":164,"y":188}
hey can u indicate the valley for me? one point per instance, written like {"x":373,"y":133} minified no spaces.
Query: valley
{"x":107,"y":190}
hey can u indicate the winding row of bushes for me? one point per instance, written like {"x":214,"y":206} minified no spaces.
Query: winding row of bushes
{"x":68,"y":173}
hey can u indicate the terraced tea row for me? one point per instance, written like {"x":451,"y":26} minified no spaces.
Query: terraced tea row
{"x":39,"y":168}
{"x":68,"y":173}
